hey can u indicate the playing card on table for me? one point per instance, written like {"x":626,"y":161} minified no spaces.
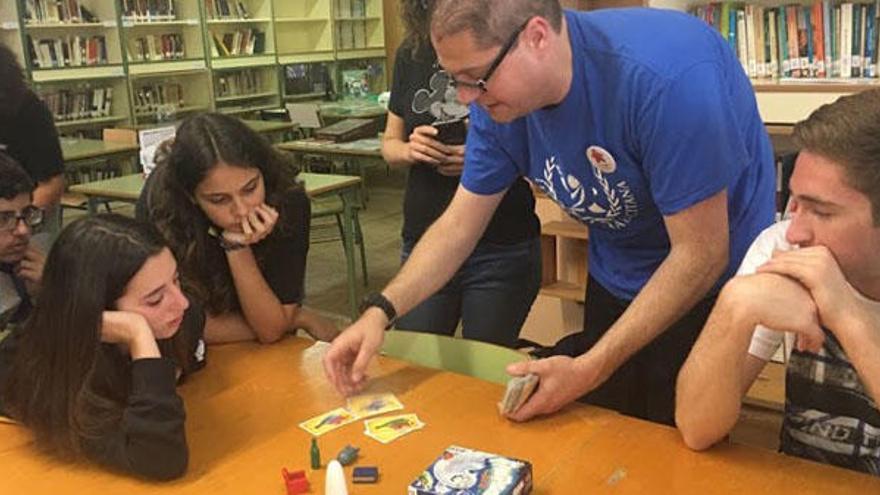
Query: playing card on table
{"x":328,"y":421}
{"x":389,"y":428}
{"x":518,"y":391}
{"x":366,"y":405}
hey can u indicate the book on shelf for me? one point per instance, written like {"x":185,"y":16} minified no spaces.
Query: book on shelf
{"x":820,"y":39}
{"x":311,"y":78}
{"x":149,"y":97}
{"x":156,"y":47}
{"x":239,"y":83}
{"x":359,"y":34}
{"x":78,"y":104}
{"x":226,"y":9}
{"x":70,"y":51}
{"x":148,"y":10}
{"x":238,"y":42}
{"x":358,"y":8}
{"x":345,"y":35}
{"x":343,"y":8}
{"x":56,"y":12}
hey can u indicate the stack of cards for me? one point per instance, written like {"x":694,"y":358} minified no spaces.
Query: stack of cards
{"x":519,"y":389}
{"x":389,"y":428}
{"x":384,"y":429}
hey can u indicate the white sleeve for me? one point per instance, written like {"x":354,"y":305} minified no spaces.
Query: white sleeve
{"x":765,"y":341}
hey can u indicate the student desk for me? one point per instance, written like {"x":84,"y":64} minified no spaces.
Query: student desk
{"x":358,"y":154}
{"x":128,"y":189}
{"x":76,"y":150}
{"x":351,"y":109}
{"x":244,"y":407}
{"x":271,"y":128}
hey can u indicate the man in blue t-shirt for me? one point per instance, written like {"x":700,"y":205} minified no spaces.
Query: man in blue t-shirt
{"x":639,"y":123}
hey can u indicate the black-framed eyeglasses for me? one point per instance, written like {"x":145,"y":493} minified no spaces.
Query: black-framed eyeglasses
{"x":31,"y":216}
{"x":483,"y":81}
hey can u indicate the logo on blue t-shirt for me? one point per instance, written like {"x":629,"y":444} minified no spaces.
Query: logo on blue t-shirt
{"x":611,"y":204}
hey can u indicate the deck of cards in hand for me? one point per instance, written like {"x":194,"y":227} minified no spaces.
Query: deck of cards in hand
{"x":518,"y":391}
{"x":463,"y":471}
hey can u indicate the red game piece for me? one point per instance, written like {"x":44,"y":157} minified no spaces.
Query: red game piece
{"x":296,"y":481}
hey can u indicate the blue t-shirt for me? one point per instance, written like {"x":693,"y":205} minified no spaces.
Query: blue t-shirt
{"x":659,"y":117}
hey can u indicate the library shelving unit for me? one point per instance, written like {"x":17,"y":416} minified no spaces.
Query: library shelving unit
{"x":247,"y":90}
{"x":240,"y":38}
{"x":304,"y":42}
{"x":10,"y":34}
{"x":359,"y":31}
{"x":303,"y":31}
{"x":72,"y":54}
{"x":165,"y":53}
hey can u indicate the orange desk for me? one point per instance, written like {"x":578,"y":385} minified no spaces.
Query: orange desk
{"x":243,"y":411}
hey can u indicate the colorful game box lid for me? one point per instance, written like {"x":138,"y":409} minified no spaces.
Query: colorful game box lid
{"x":463,"y":471}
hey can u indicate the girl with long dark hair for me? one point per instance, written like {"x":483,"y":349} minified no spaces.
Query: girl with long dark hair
{"x":94,"y":368}
{"x":229,"y":206}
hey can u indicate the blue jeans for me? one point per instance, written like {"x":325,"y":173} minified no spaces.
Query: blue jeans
{"x":491,"y":293}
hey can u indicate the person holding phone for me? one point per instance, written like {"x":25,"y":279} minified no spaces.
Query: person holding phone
{"x":492,"y":292}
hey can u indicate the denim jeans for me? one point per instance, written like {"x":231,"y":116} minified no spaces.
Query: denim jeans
{"x":491,"y":293}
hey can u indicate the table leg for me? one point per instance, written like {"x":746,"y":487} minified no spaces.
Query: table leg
{"x":92,"y":205}
{"x":349,"y":196}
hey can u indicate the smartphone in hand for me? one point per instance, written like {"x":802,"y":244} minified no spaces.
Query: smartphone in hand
{"x":452,"y":132}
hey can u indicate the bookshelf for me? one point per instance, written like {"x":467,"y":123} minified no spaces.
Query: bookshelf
{"x":558,"y":309}
{"x":165,"y":53}
{"x":246,"y":90}
{"x":151,"y":60}
{"x":359,"y":32}
{"x":304,"y":31}
{"x":10,"y":34}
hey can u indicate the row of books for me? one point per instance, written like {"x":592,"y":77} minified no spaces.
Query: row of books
{"x":351,"y":8}
{"x":148,"y":10}
{"x":56,"y":11}
{"x":306,"y":78}
{"x":79,"y":103}
{"x":156,"y":47}
{"x":70,"y":51}
{"x":819,"y":40}
{"x":243,"y":82}
{"x":149,"y":97}
{"x":351,"y":35}
{"x":239,"y":42}
{"x":226,"y":9}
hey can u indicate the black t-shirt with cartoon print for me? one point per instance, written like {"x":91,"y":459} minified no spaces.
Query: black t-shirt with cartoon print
{"x":421,"y":95}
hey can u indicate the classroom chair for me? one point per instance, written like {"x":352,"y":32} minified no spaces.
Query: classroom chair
{"x":326,"y":207}
{"x":467,"y":357}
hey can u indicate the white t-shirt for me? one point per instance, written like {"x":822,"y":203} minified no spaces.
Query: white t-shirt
{"x":766,"y":341}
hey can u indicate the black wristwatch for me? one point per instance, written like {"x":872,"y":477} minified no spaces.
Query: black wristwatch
{"x":378,"y":300}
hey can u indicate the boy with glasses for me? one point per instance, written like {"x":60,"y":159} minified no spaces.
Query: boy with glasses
{"x":641,"y":124}
{"x":21,"y":263}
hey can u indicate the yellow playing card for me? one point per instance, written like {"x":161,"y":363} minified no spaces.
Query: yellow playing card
{"x":389,"y":428}
{"x":328,"y":421}
{"x":367,"y":405}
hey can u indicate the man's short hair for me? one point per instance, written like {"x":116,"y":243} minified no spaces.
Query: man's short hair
{"x":13,"y":179}
{"x":490,"y":21}
{"x":847,"y":132}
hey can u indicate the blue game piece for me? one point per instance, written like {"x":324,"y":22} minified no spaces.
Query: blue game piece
{"x":365,"y":474}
